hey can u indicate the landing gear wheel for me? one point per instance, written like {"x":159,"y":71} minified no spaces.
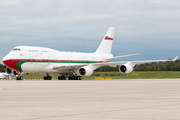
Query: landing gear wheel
{"x":71,"y":78}
{"x":19,"y":78}
{"x":79,"y":77}
{"x":61,"y":77}
{"x":74,"y":77}
{"x":47,"y":78}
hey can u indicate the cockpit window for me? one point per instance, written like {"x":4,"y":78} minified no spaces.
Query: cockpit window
{"x":16,"y":49}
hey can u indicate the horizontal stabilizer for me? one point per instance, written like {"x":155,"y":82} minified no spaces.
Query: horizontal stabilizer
{"x":121,"y":56}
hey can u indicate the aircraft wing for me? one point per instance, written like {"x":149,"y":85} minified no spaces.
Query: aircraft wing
{"x":94,"y":66}
{"x":76,"y":66}
{"x":133,"y":63}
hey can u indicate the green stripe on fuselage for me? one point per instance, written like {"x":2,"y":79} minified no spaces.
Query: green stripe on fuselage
{"x":18,"y":64}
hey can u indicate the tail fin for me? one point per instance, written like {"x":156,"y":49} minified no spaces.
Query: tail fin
{"x":106,"y":44}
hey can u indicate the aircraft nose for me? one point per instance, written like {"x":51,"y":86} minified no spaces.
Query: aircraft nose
{"x":10,"y":62}
{"x":6,"y":61}
{"x":5,"y":58}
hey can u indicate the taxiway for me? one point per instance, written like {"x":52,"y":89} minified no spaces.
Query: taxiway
{"x":130,"y":99}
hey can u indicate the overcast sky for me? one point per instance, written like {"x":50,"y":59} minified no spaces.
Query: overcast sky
{"x":149,"y":27}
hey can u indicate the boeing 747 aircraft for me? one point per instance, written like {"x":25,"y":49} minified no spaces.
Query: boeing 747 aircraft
{"x":22,"y":60}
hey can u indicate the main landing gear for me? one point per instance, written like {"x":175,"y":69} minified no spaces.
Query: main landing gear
{"x":47,"y":77}
{"x":74,"y":77}
{"x":70,"y":77}
{"x":63,"y":77}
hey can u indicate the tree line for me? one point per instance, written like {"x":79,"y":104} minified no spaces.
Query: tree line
{"x":160,"y":66}
{"x":155,"y":66}
{"x":2,"y":68}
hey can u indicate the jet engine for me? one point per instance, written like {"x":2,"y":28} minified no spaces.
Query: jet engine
{"x":14,"y":73}
{"x":84,"y":71}
{"x":125,"y":68}
{"x":8,"y":70}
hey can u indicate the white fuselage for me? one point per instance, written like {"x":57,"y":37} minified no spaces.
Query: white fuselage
{"x":41,"y":60}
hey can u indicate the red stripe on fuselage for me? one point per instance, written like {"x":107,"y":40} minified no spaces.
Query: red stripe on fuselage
{"x":11,"y":64}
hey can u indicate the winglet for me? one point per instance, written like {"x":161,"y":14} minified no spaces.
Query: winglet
{"x":175,"y":58}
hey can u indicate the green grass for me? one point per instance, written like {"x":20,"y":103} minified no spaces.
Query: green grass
{"x":39,"y":76}
{"x":138,"y":75}
{"x":118,"y":75}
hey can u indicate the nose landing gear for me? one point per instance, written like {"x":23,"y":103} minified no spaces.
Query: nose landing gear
{"x":19,"y":78}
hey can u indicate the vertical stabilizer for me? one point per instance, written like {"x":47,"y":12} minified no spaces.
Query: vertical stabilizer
{"x":106,"y":44}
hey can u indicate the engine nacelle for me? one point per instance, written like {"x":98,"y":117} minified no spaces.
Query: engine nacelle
{"x":14,"y":73}
{"x":125,"y":68}
{"x":8,"y":71}
{"x":84,"y":71}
